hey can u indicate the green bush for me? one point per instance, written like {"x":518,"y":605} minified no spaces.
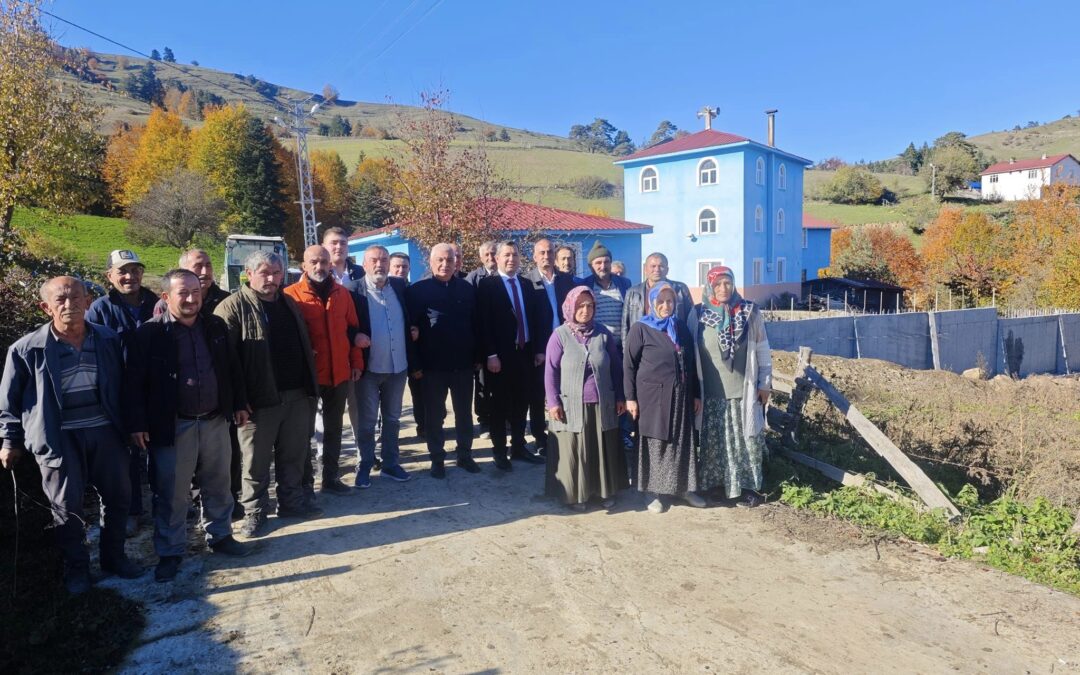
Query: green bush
{"x":853,"y":185}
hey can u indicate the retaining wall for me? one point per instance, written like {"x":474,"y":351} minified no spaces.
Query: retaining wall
{"x":964,"y":334}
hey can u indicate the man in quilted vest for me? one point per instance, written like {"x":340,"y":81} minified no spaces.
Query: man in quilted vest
{"x":330,"y":314}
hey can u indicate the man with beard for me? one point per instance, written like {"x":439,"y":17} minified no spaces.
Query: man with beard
{"x":330,"y":314}
{"x":270,"y":337}
{"x":636,"y":300}
{"x":385,"y":337}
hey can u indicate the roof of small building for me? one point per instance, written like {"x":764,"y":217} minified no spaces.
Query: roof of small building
{"x":524,"y":217}
{"x":708,"y":138}
{"x":1024,"y":164}
{"x":812,"y":223}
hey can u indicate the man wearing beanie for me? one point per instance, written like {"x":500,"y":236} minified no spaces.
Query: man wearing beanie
{"x":608,"y":289}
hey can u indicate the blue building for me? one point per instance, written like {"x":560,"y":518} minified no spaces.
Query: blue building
{"x":530,"y":221}
{"x":714,"y":198}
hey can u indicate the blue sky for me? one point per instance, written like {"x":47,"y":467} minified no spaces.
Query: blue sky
{"x":854,"y":79}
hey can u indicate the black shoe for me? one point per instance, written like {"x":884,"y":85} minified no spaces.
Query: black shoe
{"x":254,"y":525}
{"x":469,"y":464}
{"x":527,"y":457}
{"x":503,"y":464}
{"x":541,"y":451}
{"x":303,"y":512}
{"x":167,"y":568}
{"x":229,"y":546}
{"x":122,"y":567}
{"x":377,"y":466}
{"x":335,"y":487}
{"x":77,"y":580}
{"x":750,"y":500}
{"x":438,"y":470}
{"x":237,"y":511}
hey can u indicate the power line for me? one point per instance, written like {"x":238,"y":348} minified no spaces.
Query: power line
{"x":400,"y":36}
{"x":385,"y":31}
{"x":170,"y":65}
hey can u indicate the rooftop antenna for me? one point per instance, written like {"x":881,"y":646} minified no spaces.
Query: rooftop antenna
{"x":708,"y":113}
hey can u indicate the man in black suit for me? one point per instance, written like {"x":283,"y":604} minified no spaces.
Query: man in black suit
{"x":550,"y":287}
{"x":510,"y":337}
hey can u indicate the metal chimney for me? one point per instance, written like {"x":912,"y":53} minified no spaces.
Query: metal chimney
{"x":772,"y":127}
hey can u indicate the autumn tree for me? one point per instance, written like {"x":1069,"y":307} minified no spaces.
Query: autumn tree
{"x":50,"y":153}
{"x":235,"y":151}
{"x":1040,"y":242}
{"x":331,"y":189}
{"x":179,"y":207}
{"x":443,"y":194}
{"x":164,"y":144}
{"x":1060,"y":285}
{"x":372,"y":189}
{"x":966,"y":251}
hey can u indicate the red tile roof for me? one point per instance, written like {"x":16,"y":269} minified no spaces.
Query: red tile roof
{"x":811,"y":223}
{"x":702,"y":139}
{"x":521,"y":217}
{"x":1023,"y":164}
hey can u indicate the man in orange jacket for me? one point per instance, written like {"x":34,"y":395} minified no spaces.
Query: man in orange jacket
{"x":330,"y":314}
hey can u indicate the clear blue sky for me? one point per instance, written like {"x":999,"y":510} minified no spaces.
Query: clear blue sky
{"x":854,"y":79}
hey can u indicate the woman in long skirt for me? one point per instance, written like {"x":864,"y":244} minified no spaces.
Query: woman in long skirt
{"x":584,"y":389}
{"x":735,"y":367}
{"x":662,"y":395}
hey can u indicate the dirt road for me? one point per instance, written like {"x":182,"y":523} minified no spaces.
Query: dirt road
{"x":482,"y":574}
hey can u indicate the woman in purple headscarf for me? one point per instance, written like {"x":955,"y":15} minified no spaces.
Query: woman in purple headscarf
{"x":735,"y":368}
{"x":662,"y":395}
{"x":584,"y":388}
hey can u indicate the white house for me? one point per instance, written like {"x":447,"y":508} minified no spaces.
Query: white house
{"x":1025,"y":178}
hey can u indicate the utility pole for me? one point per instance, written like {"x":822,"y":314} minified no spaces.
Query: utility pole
{"x":933,"y":180}
{"x":298,"y":126}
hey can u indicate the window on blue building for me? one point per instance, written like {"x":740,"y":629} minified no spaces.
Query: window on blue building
{"x":759,"y":174}
{"x":780,"y":225}
{"x":759,"y":219}
{"x":703,"y":267}
{"x":805,"y":239}
{"x":706,"y":222}
{"x":781,"y":263}
{"x":781,"y":177}
{"x":707,"y":172}
{"x":650,"y":180}
{"x":758,"y":265}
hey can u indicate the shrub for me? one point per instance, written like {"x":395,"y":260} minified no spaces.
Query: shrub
{"x":853,"y":185}
{"x":592,"y":187}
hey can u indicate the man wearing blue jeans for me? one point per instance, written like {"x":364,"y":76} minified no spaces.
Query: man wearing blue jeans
{"x":385,"y":337}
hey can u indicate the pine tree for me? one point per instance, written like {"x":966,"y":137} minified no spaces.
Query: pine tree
{"x":155,"y":55}
{"x":168,"y":56}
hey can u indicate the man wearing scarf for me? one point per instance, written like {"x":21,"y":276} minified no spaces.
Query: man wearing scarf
{"x":735,"y":368}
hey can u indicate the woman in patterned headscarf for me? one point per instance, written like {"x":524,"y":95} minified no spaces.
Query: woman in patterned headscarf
{"x":662,"y":395}
{"x":583,"y":383}
{"x":736,"y":378}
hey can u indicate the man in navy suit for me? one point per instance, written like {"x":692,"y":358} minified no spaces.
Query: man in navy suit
{"x":511,"y":336}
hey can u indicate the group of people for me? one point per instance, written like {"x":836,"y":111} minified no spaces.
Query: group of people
{"x":206,"y":390}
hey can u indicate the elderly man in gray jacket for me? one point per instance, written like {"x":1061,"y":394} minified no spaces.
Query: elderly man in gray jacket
{"x":635,"y":303}
{"x":60,"y":399}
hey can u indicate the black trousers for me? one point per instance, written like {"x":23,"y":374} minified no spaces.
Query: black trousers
{"x":538,"y":407}
{"x":416,"y":391}
{"x":95,"y":457}
{"x":459,"y":383}
{"x":510,"y":396}
{"x":334,"y":400}
{"x":480,"y":400}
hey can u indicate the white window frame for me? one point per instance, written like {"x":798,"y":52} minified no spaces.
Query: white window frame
{"x":759,"y":271}
{"x":781,"y":270}
{"x":759,"y":171}
{"x":994,"y":178}
{"x":716,"y":221}
{"x":759,"y":219}
{"x":715,"y":172}
{"x":710,"y":263}
{"x":1033,"y":173}
{"x":655,"y":178}
{"x":781,"y":177}
{"x":781,"y":221}
{"x":805,"y":238}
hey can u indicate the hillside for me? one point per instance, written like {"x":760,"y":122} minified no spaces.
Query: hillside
{"x":1052,"y":138}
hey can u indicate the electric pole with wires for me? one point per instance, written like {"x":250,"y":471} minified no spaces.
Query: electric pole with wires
{"x":298,"y":125}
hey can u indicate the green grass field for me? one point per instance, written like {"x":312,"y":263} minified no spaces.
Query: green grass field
{"x":900,"y":185}
{"x":1053,"y":138}
{"x":89,"y":239}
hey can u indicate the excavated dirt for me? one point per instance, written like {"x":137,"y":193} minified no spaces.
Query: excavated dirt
{"x":996,"y":434}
